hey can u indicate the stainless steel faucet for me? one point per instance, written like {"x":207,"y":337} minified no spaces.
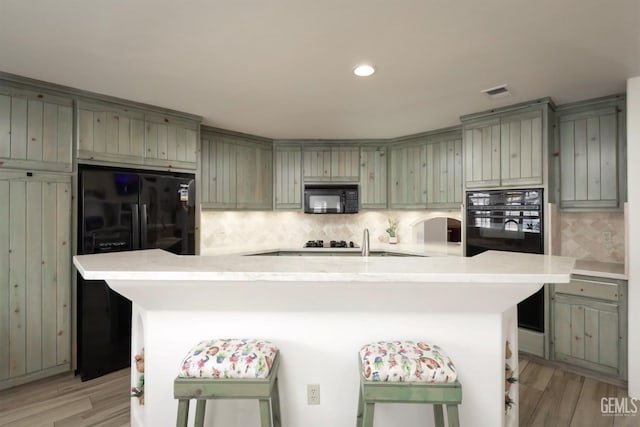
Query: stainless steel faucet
{"x":365,"y":242}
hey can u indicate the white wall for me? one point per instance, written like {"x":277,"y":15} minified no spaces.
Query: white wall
{"x":633,"y":175}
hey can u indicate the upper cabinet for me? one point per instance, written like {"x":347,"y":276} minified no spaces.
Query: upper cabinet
{"x":444,"y":170}
{"x":170,"y":142}
{"x":482,"y":154}
{"x":36,"y":130}
{"x":426,"y":171}
{"x":591,"y":144}
{"x":111,"y":134}
{"x":521,"y":149}
{"x":408,"y":171}
{"x":287,"y":176}
{"x":507,"y":147}
{"x":373,"y":177}
{"x":237,"y":171}
{"x":339,"y":163}
{"x":115,"y":133}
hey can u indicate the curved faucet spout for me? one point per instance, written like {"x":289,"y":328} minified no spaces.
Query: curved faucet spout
{"x":365,"y":242}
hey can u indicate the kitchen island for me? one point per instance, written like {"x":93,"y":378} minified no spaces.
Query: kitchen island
{"x":319,"y":311}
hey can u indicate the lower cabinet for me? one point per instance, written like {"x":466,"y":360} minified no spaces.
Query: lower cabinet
{"x":589,"y":324}
{"x":35,"y":276}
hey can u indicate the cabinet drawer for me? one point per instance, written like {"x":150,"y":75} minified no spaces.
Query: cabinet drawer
{"x":590,"y":288}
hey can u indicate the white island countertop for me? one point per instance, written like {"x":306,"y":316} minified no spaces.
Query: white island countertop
{"x":319,"y":310}
{"x":488,"y":267}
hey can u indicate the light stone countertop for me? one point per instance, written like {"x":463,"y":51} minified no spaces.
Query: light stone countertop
{"x":600,"y":269}
{"x":488,"y":267}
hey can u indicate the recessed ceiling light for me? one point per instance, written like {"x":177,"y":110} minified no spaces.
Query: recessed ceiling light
{"x":364,"y":70}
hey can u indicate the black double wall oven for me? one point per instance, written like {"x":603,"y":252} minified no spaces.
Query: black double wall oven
{"x":124,"y":210}
{"x":509,"y":220}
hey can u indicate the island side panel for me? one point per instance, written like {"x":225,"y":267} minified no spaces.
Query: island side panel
{"x":321,"y":348}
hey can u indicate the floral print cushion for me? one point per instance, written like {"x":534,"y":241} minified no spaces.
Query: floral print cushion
{"x":229,"y":358}
{"x":407,"y":361}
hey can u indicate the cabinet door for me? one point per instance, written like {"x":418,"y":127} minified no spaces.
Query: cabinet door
{"x":218,"y":172}
{"x":409,"y":175}
{"x":588,"y":159}
{"x":110,"y":133}
{"x":373,"y":177}
{"x":316,"y":163}
{"x":36,"y":130}
{"x":288,"y":177}
{"x":444,"y":172}
{"x":521,"y":149}
{"x":35,"y":275}
{"x":170,"y":142}
{"x":254,"y":171}
{"x":482,"y":154}
{"x":345,"y":163}
{"x":586,"y":333}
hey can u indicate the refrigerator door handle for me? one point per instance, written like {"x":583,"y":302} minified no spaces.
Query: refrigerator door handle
{"x":143,"y":226}
{"x":135,"y":226}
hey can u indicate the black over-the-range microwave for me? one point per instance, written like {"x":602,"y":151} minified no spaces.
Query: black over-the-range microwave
{"x":326,"y":198}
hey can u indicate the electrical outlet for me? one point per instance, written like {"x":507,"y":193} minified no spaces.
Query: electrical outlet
{"x":606,"y":236}
{"x":313,"y":394}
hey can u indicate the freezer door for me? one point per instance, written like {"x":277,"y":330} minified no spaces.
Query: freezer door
{"x":167,"y":213}
{"x":108,"y":211}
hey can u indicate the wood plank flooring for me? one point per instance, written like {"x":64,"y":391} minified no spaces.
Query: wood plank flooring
{"x":549,"y":397}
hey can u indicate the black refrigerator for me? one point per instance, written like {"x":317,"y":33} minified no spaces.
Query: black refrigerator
{"x":124,"y":210}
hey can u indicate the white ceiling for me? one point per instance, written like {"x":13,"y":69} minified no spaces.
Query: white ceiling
{"x":282,"y":68}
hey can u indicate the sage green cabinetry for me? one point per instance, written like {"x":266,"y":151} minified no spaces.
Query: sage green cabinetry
{"x":507,"y":147}
{"x":591,"y":139}
{"x":237,"y":171}
{"x":340,"y":163}
{"x":110,"y":133}
{"x":444,"y":170}
{"x":589,"y":324}
{"x":373,"y":177}
{"x":287,"y":176}
{"x":36,"y":129}
{"x":254,"y":167}
{"x":426,"y":170}
{"x":482,"y":154}
{"x":408,"y":172}
{"x":35,"y":276}
{"x":170,"y":142}
{"x":115,"y":133}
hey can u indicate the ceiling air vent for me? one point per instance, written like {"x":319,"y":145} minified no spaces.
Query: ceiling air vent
{"x":497,"y":92}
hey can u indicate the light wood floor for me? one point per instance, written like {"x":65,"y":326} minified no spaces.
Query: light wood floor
{"x":549,"y":396}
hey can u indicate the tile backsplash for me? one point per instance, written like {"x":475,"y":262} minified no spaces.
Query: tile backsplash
{"x":593,"y":236}
{"x":597,"y":236}
{"x":293,"y":229}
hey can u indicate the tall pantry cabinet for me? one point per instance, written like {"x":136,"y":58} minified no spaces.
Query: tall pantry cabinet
{"x":36,"y":133}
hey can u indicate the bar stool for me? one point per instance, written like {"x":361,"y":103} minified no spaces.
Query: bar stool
{"x":229,"y":369}
{"x":407,"y":372}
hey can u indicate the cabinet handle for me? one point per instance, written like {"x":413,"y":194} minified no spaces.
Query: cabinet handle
{"x":588,"y":335}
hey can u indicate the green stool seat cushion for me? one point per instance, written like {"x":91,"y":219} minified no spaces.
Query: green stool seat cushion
{"x":229,"y":358}
{"x":406,"y":361}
